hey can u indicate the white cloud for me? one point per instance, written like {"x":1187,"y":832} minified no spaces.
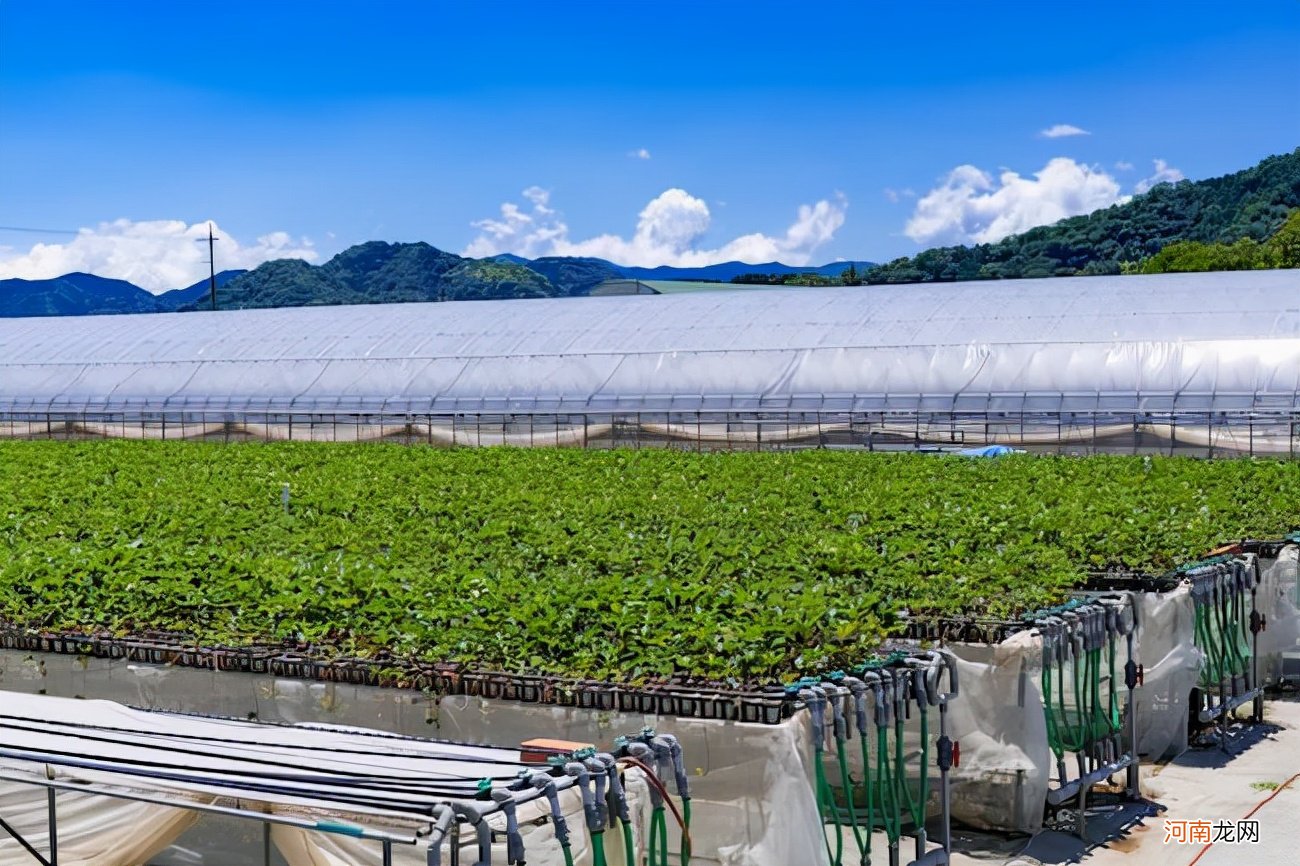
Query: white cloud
{"x":896,"y":195}
{"x":1062,"y":130}
{"x":156,"y":255}
{"x":639,"y":153}
{"x":1165,"y":173}
{"x":667,"y":231}
{"x":1122,"y":165}
{"x":970,"y":206}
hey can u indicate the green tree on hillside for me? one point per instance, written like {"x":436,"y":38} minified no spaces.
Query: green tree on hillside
{"x":1282,"y":250}
{"x":1251,"y":204}
{"x":1285,"y":244}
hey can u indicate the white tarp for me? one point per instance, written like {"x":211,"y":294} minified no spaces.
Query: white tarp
{"x":1171,"y":665}
{"x":1006,"y":762}
{"x":751,"y":784}
{"x":1205,"y":342}
{"x":364,"y":778}
{"x":1276,"y":600}
{"x":93,"y":830}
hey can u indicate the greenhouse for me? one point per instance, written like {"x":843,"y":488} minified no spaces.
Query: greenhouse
{"x":1189,"y":363}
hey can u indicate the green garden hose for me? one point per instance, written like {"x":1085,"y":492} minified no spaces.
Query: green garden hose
{"x":658,"y":837}
{"x":629,"y":850}
{"x":686,"y":831}
{"x":826,"y":804}
{"x":864,"y":846}
{"x":889,"y":807}
{"x":598,"y":848}
{"x":663,"y":838}
{"x":915,"y":806}
{"x":865,"y":743}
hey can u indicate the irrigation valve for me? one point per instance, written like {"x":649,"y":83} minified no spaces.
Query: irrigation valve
{"x":948,"y":753}
{"x":1258,"y":623}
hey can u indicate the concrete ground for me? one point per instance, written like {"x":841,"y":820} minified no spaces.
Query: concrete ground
{"x":1207,"y":784}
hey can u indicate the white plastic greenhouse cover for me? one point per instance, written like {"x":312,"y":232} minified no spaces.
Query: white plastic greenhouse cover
{"x":1187,"y":342}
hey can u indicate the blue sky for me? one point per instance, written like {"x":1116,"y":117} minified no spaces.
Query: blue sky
{"x":665,"y":132}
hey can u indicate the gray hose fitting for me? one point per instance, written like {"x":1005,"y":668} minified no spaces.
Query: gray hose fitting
{"x":600,"y":777}
{"x":514,"y":841}
{"x":442,"y":818}
{"x":645,"y":755}
{"x":577,"y":770}
{"x":474,"y":815}
{"x":546,"y":785}
{"x":679,"y":766}
{"x":858,"y":689}
{"x":615,"y":788}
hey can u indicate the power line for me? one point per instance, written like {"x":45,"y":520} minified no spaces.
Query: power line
{"x":38,"y":231}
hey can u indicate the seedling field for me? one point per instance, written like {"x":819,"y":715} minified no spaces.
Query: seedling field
{"x":620,"y":565}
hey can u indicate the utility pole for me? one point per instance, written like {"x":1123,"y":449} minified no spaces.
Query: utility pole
{"x":212,"y":267}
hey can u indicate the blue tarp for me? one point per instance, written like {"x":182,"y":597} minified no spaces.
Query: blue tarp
{"x":987,"y":451}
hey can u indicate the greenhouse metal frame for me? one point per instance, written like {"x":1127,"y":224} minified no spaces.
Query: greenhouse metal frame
{"x":1204,"y":364}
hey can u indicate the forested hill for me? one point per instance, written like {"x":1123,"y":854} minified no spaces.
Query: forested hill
{"x":1247,"y":204}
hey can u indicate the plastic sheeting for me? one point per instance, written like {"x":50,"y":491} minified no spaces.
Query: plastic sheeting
{"x":92,"y":830}
{"x":1005,"y":770}
{"x":1276,"y":599}
{"x":1213,"y":342}
{"x":751,"y":784}
{"x":335,"y":773}
{"x":1171,"y":664}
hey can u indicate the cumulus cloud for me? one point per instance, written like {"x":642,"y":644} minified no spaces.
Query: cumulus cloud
{"x":639,"y":153}
{"x":156,"y":255}
{"x":667,"y":232}
{"x":971,"y":206}
{"x":1062,"y":130}
{"x":1164,"y":173}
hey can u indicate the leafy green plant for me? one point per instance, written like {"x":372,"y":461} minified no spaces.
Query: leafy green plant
{"x":623,"y":564}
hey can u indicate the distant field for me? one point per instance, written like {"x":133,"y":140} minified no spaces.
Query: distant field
{"x":587,"y":563}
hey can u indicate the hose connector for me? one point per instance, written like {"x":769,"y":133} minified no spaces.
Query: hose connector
{"x":443,"y":816}
{"x":578,"y":771}
{"x":645,"y":755}
{"x":546,"y":784}
{"x":679,"y":766}
{"x":514,"y":841}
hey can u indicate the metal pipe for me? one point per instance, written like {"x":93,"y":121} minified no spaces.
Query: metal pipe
{"x":54,"y":826}
{"x":301,"y":823}
{"x":443,"y":818}
{"x":27,"y":846}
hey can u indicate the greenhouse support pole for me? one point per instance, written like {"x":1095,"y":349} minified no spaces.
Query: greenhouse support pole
{"x":54,"y":827}
{"x":1132,"y":676}
{"x":1257,"y":625}
{"x":36,"y":855}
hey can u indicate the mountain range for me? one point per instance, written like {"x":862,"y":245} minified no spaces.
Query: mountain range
{"x":86,"y":294}
{"x":1203,"y":221}
{"x":372,"y":272}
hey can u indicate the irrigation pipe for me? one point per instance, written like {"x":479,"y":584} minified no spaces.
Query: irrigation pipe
{"x":1260,"y":805}
{"x":659,"y":785}
{"x":237,"y":741}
